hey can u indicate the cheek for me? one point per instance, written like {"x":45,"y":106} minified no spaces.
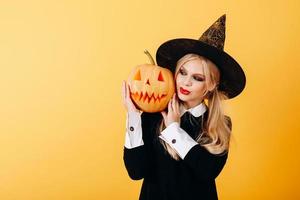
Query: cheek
{"x":178,"y":80}
{"x":199,"y":88}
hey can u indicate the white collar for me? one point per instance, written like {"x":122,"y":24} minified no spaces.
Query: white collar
{"x":196,"y":111}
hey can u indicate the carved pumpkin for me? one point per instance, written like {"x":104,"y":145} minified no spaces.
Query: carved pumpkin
{"x":151,"y":86}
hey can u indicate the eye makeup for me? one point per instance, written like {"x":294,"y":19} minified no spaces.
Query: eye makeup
{"x":197,"y":76}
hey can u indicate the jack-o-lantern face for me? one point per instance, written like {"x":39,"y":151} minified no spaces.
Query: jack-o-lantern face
{"x":151,"y":87}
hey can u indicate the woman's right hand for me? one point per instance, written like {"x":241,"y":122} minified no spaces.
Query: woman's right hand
{"x":128,"y":104}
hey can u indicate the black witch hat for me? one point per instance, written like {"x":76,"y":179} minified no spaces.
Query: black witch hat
{"x":211,"y":46}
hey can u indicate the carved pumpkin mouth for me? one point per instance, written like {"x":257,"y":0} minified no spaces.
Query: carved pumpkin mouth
{"x":145,"y":97}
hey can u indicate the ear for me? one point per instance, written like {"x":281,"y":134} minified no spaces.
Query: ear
{"x":209,"y":91}
{"x":213,"y":87}
{"x":206,"y":94}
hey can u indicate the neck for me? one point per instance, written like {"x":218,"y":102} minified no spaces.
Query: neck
{"x":188,"y":105}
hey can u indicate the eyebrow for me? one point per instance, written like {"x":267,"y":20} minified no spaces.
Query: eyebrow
{"x":194,"y":74}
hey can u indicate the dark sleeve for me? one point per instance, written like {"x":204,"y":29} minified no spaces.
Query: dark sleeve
{"x":135,"y":161}
{"x":203,"y":163}
{"x":138,"y":161}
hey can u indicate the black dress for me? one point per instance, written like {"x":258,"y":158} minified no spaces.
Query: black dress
{"x":192,"y":178}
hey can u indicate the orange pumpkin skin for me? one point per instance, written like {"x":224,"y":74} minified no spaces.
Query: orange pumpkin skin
{"x":151,"y":87}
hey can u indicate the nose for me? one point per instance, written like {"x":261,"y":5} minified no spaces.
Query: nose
{"x":187,"y":82}
{"x":147,"y":83}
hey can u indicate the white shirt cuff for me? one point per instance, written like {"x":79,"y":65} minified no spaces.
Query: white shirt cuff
{"x":133,"y":135}
{"x":178,"y":139}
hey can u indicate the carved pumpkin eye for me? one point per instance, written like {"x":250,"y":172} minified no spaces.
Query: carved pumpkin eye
{"x":160,"y":77}
{"x":137,"y":76}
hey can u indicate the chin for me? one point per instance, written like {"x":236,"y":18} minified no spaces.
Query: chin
{"x":182,"y":97}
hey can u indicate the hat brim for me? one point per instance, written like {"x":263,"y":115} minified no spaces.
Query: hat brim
{"x":232,"y":78}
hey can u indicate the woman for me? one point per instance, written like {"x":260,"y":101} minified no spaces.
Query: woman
{"x":180,"y":152}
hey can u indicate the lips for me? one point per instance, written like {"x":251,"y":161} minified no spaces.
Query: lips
{"x":183,"y":91}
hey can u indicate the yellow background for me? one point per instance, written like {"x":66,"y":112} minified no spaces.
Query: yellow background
{"x":62,"y":123}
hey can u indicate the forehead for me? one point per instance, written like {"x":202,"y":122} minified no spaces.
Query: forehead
{"x":194,"y":66}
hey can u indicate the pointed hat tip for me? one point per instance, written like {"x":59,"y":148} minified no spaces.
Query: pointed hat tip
{"x":223,"y":17}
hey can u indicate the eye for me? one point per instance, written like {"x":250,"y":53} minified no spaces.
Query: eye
{"x":137,"y":76}
{"x":160,"y":77}
{"x":182,"y":72}
{"x":197,"y":78}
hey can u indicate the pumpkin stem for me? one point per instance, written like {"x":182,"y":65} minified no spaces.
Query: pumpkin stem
{"x":149,"y":56}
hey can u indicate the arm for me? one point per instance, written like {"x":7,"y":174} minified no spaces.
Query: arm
{"x":133,"y":135}
{"x":137,"y":154}
{"x":203,"y":163}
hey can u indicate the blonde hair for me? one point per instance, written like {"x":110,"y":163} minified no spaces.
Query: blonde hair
{"x":215,"y":134}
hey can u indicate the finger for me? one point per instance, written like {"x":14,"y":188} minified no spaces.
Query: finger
{"x":129,"y":99}
{"x":170,"y":106}
{"x":173,"y":103}
{"x":124,"y":92}
{"x":163,"y":113}
{"x":127,"y":91}
{"x":176,"y":105}
{"x":123,"y":89}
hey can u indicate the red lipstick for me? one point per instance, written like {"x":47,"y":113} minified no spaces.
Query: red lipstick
{"x":183,"y":91}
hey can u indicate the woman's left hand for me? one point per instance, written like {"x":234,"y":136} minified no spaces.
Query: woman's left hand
{"x":173,"y":114}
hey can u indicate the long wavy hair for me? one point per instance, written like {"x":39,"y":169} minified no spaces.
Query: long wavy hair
{"x":215,"y":132}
